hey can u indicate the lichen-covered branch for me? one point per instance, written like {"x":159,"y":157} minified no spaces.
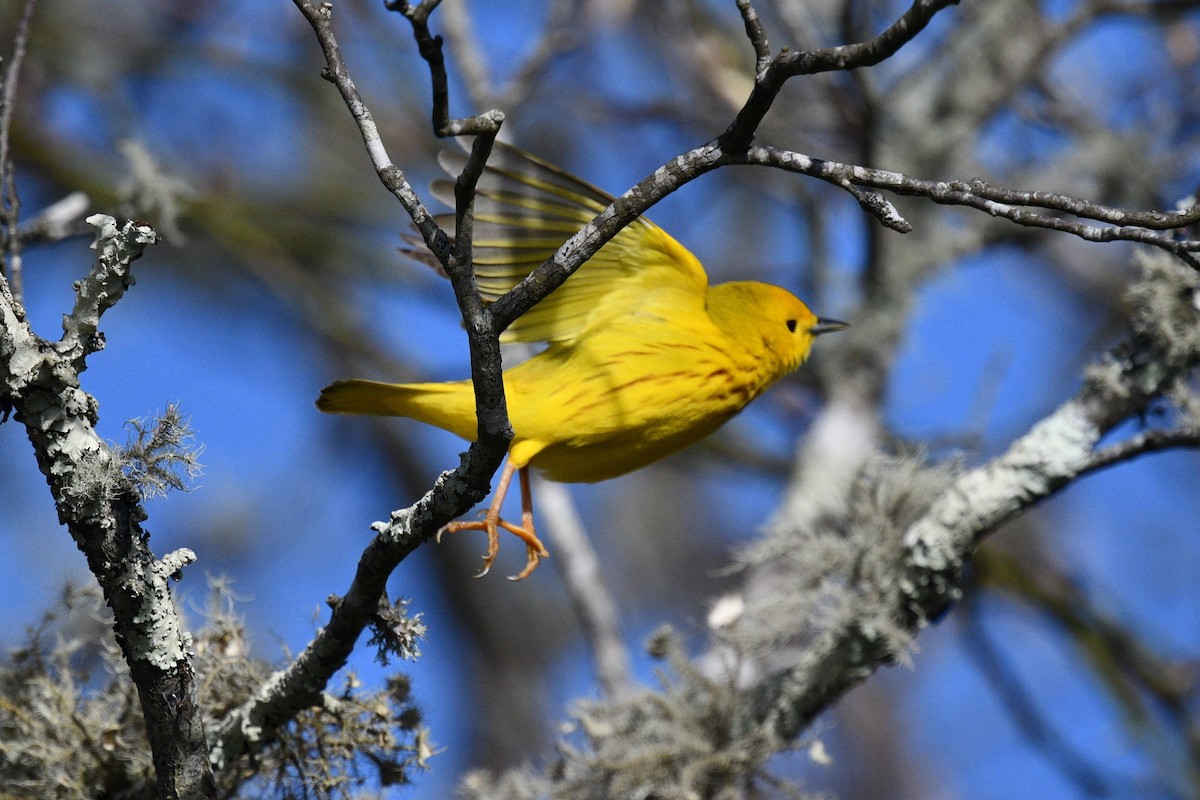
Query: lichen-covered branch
{"x":102,"y":509}
{"x":116,"y":248}
{"x":1164,"y":344}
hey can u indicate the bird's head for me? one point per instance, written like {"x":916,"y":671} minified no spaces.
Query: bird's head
{"x":771,"y":322}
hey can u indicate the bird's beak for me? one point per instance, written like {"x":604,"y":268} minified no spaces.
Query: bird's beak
{"x":828,"y":326}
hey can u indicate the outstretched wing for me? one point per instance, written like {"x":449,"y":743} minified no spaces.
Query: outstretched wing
{"x":525,"y":208}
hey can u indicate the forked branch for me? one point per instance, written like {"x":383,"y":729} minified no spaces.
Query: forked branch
{"x":788,"y":64}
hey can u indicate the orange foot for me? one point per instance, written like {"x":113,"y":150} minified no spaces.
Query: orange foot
{"x":535,"y":551}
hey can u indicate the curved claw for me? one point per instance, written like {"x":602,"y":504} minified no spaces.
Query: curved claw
{"x":535,"y":551}
{"x":491,"y":523}
{"x":532,"y":558}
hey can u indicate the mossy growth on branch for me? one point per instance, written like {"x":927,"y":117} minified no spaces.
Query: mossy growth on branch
{"x":71,"y":724}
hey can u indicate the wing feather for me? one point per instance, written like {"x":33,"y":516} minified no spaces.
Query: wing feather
{"x":525,"y":208}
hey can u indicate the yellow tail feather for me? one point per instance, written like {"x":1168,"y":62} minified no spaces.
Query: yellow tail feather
{"x":449,"y":406}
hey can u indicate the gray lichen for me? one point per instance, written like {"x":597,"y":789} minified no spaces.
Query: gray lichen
{"x":701,"y":735}
{"x":845,"y":570}
{"x":685,"y":741}
{"x":71,"y":726}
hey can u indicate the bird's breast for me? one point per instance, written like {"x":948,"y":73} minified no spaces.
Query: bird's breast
{"x":608,"y":412}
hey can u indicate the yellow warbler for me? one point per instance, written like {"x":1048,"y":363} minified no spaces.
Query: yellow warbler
{"x":643,"y":358}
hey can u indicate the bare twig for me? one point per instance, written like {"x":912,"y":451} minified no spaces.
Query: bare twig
{"x":788,"y":64}
{"x":1132,"y":226}
{"x":757,"y":35}
{"x":10,"y":208}
{"x":879,"y":207}
{"x":430,"y":47}
{"x":1140,"y":445}
{"x":953,"y":191}
{"x":10,"y":201}
{"x":869,"y":52}
{"x":464,"y":202}
{"x":1155,"y":220}
{"x":58,"y":220}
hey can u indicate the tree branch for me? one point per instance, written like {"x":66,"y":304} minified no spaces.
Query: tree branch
{"x":10,"y":201}
{"x":1141,"y":444}
{"x":254,"y":723}
{"x":430,"y":47}
{"x":102,"y":509}
{"x":769,"y":80}
{"x":757,"y":35}
{"x":1131,"y":226}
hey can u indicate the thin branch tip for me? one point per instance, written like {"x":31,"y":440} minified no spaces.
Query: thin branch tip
{"x":757,"y":34}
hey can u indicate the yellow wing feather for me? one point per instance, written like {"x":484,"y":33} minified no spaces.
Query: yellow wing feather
{"x":525,"y":208}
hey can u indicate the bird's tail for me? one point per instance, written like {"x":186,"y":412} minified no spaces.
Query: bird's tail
{"x":449,"y":406}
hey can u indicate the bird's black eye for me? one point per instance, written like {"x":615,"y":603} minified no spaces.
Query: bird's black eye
{"x":791,"y":323}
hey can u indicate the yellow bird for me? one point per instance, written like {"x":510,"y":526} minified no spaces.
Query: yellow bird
{"x":643,"y":357}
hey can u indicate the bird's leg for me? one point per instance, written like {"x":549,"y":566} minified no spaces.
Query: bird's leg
{"x":492,"y":522}
{"x":489,"y":522}
{"x":535,"y":551}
